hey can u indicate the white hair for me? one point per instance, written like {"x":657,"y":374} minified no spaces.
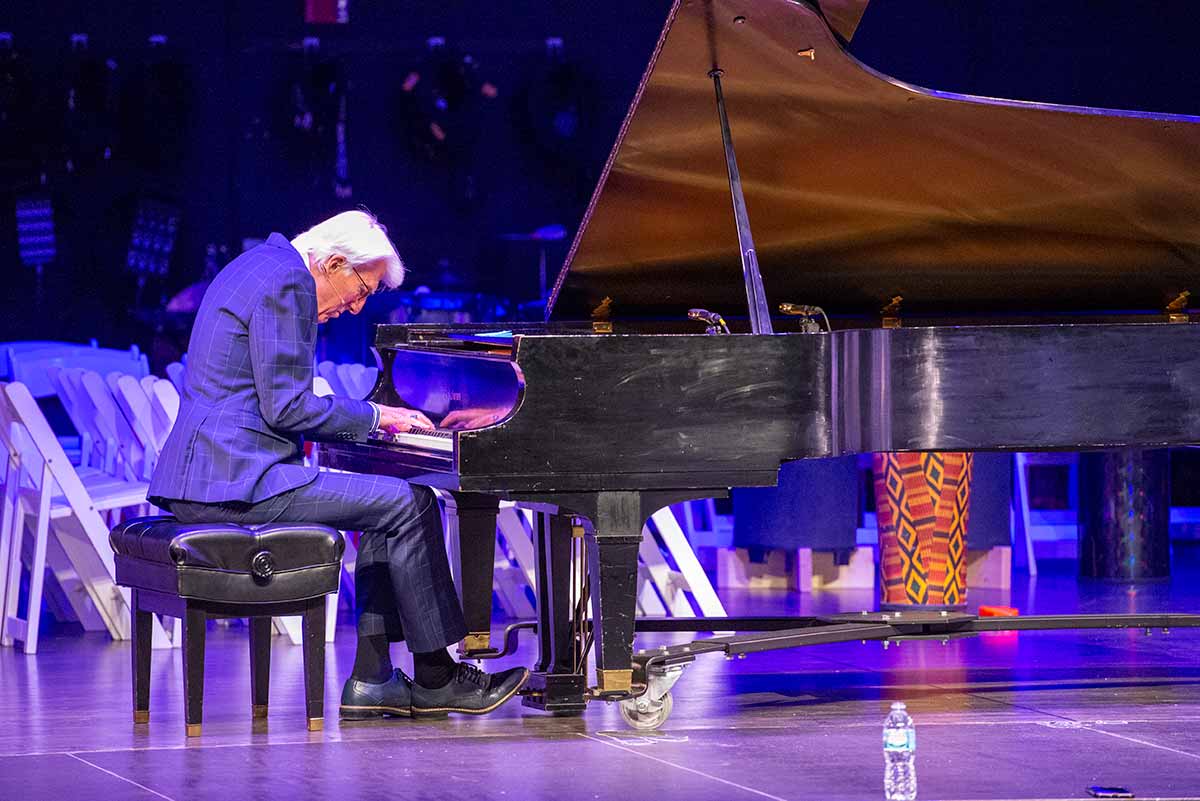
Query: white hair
{"x":359,"y":238}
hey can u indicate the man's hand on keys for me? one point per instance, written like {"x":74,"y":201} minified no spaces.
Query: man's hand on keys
{"x":472,"y":418}
{"x":397,"y":419}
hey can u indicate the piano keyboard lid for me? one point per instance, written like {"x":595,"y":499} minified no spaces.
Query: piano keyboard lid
{"x":498,"y":337}
{"x":860,"y":187}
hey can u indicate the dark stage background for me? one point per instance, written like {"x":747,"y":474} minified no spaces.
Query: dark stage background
{"x":222,"y":145}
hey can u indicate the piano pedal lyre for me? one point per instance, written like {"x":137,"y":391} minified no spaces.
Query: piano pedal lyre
{"x":475,"y":641}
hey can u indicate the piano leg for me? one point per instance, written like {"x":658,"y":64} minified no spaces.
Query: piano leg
{"x":612,"y":563}
{"x":477,"y":555}
{"x":555,"y":640}
{"x":557,"y":683}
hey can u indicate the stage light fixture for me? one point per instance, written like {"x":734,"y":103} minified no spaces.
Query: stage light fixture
{"x":35,"y":231}
{"x":442,"y":102}
{"x":152,"y":239}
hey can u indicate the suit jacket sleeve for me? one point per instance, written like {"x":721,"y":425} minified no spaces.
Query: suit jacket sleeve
{"x":283,"y":332}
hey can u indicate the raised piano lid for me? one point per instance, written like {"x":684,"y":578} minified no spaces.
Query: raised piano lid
{"x":861,"y":187}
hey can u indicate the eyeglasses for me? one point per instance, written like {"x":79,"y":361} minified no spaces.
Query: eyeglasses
{"x":365,"y":292}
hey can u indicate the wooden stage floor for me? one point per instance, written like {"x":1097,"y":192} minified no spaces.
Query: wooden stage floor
{"x":1040,"y":715}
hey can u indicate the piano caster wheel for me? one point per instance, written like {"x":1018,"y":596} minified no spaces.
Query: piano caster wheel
{"x":651,"y":709}
{"x":645,"y":715}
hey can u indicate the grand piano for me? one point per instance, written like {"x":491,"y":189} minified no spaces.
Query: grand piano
{"x":997,"y":236}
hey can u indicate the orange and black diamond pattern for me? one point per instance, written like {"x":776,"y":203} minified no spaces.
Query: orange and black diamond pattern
{"x":922,"y":500}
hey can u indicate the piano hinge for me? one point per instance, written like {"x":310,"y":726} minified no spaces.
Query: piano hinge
{"x":1177,"y":310}
{"x":600,"y":315}
{"x":891,"y":312}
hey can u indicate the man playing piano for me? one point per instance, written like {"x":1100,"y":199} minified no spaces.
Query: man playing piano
{"x":235,"y":455}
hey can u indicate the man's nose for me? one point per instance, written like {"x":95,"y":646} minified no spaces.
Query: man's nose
{"x":357,"y":305}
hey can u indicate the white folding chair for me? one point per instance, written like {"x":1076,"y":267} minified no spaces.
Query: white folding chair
{"x":164,"y":407}
{"x":91,"y":449}
{"x":514,"y":566}
{"x":59,"y":502}
{"x":31,"y":367}
{"x":69,"y":598}
{"x":328,"y":371}
{"x":10,"y":474}
{"x":131,"y":399}
{"x":321,"y":387}
{"x":353,"y":378}
{"x":135,"y":463}
{"x":28,"y":503}
{"x":176,"y":373}
{"x":690,"y":576}
{"x":77,"y":402}
{"x":102,"y":465}
{"x":10,"y":351}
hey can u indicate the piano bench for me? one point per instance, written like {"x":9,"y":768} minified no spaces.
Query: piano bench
{"x":198,"y":572}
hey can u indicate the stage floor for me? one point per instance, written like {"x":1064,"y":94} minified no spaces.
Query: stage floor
{"x":1039,"y":715}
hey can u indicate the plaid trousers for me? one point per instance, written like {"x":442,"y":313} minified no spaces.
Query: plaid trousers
{"x":403,"y":586}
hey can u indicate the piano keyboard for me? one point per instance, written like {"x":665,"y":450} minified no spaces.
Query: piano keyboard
{"x":423,"y":438}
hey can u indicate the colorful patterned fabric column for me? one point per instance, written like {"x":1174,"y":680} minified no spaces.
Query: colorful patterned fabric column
{"x":922,"y":501}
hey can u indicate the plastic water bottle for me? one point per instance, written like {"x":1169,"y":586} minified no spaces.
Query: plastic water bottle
{"x":899,"y":756}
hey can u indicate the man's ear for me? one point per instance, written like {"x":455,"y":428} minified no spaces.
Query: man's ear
{"x":335,"y":262}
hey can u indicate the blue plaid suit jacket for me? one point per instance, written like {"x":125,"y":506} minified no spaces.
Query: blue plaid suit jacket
{"x":247,"y":400}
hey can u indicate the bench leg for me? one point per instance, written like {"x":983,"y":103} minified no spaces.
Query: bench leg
{"x":314,"y":663}
{"x":143,"y":633}
{"x":260,"y":664}
{"x":193,"y":668}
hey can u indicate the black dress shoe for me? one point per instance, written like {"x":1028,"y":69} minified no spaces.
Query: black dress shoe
{"x":470,"y":691}
{"x":362,"y":699}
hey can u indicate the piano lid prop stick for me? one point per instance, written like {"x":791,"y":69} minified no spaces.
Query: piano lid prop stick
{"x":760,"y":314}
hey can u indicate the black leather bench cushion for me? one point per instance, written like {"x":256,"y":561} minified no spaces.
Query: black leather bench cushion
{"x":224,"y":546}
{"x":228,"y":563}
